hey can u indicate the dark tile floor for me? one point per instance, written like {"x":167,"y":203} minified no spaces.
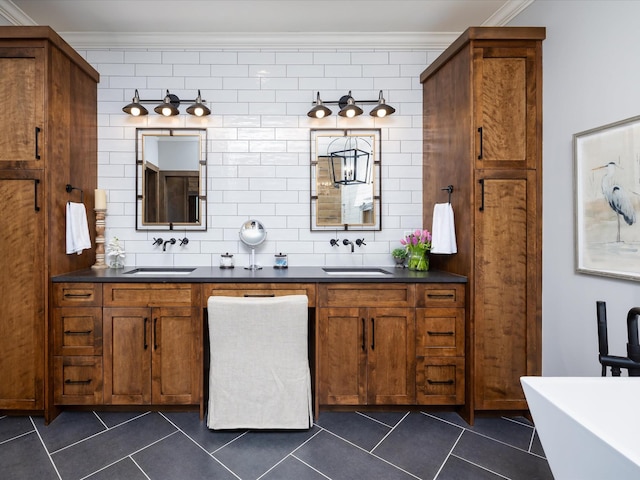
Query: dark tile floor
{"x":340,"y":446}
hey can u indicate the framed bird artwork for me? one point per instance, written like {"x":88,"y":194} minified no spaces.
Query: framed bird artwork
{"x":607,"y":193}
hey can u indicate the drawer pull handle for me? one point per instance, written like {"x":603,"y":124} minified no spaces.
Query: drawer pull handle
{"x":77,"y":332}
{"x":37,"y":155}
{"x":155,"y":333}
{"x":373,"y":334}
{"x":440,"y":295}
{"x":259,"y":295}
{"x":77,"y":382}
{"x":77,"y":295}
{"x":439,"y":334}
{"x":440,"y":382}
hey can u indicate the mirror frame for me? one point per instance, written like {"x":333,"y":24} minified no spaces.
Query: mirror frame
{"x":201,"y":224}
{"x":376,"y":178}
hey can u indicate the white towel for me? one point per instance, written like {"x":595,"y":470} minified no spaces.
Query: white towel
{"x":443,"y":232}
{"x":77,"y":228}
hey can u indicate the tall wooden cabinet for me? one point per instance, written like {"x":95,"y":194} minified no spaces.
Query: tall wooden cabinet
{"x":483,"y":135}
{"x":48,"y":138}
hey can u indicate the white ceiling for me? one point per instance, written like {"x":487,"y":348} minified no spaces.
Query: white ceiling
{"x":328,"y":22}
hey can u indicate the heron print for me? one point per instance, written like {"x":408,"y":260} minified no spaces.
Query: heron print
{"x":608,"y":199}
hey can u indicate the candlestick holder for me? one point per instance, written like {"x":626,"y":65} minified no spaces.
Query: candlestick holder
{"x":100,"y":224}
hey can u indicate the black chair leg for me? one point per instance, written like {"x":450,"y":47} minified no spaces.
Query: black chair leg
{"x":615,"y":371}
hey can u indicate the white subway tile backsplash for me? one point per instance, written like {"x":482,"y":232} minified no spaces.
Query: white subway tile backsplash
{"x":258,"y":145}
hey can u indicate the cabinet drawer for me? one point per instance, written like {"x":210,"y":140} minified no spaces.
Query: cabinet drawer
{"x":259,"y":290}
{"x":366,"y":295}
{"x":151,"y":294}
{"x":77,"y":380}
{"x":77,"y":294}
{"x":440,"y":381}
{"x":440,"y":332}
{"x":440,"y":295}
{"x":77,"y":331}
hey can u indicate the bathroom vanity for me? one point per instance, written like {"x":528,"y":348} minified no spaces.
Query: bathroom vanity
{"x":138,"y":339}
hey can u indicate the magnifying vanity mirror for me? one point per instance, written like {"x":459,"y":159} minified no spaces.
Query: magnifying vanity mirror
{"x":252,"y":234}
{"x":345,"y":179}
{"x":171,"y":179}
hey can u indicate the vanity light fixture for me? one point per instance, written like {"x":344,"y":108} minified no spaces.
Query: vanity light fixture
{"x":135,"y":108}
{"x":198,"y":109}
{"x":319,"y":111}
{"x":348,"y":107}
{"x":167,"y":107}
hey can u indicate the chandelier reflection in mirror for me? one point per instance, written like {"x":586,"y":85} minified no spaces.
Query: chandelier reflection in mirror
{"x":350,"y":160}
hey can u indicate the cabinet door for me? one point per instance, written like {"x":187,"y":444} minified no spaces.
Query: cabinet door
{"x":391,"y":356}
{"x":507,"y":316}
{"x":22,"y":287}
{"x":127,"y":358}
{"x":176,"y":365}
{"x":343,"y":356}
{"x":506,"y":106}
{"x":21,"y":127}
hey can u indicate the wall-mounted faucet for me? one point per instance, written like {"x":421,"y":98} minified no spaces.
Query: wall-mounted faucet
{"x":360,"y":242}
{"x":183,"y":241}
{"x":172,"y":241}
{"x":334,"y":242}
{"x":348,"y":242}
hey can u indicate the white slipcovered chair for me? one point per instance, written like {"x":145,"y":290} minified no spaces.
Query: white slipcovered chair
{"x":259,"y":374}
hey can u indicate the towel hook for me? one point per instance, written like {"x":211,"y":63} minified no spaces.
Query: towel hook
{"x":448,"y":188}
{"x":69,"y":188}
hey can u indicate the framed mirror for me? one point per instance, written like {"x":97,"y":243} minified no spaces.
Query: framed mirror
{"x":345,"y":179}
{"x":171,"y":179}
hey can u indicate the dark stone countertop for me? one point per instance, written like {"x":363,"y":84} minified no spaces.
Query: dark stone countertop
{"x":265,"y":275}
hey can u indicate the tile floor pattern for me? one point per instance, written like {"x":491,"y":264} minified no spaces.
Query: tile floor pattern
{"x":340,"y":446}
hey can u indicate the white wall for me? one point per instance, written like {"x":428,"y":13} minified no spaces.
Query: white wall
{"x":591,"y":78}
{"x":259,"y":145}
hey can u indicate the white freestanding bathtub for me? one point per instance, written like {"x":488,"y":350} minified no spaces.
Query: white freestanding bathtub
{"x":589,"y":426}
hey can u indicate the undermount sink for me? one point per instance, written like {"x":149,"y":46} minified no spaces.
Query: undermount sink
{"x":160,"y":271}
{"x":364,"y":271}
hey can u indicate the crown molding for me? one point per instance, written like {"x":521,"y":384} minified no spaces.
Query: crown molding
{"x":260,"y":40}
{"x":506,"y":13}
{"x":14,"y":15}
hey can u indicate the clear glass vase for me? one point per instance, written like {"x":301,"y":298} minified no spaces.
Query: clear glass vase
{"x":418,"y":261}
{"x":116,"y":262}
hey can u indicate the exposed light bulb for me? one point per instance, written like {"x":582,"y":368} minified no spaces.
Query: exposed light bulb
{"x":198,"y":111}
{"x":381,"y":113}
{"x":135,"y":111}
{"x":320,"y":114}
{"x":166,"y":111}
{"x":351,"y":113}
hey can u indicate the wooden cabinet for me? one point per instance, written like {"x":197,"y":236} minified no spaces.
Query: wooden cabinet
{"x":366,"y":352}
{"x":440,"y":344}
{"x":127,"y":344}
{"x":77,"y":344}
{"x":152,"y":355}
{"x":152,"y":344}
{"x":48,"y":138}
{"x":483,"y":135}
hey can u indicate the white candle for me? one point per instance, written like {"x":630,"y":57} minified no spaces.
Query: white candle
{"x":101,"y":200}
